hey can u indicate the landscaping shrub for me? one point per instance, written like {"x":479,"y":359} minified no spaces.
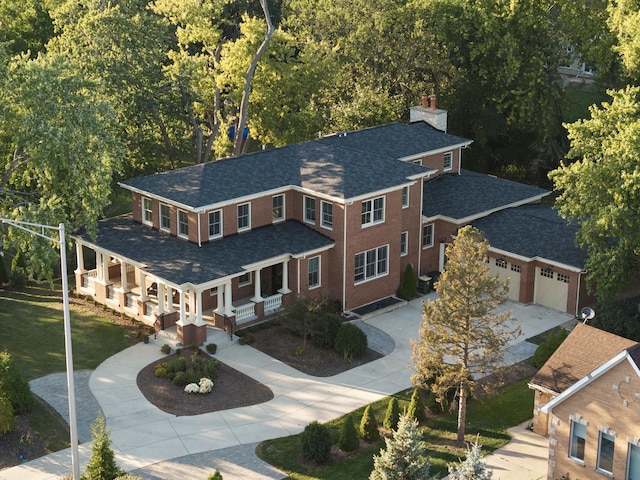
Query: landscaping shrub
{"x":160,"y":372}
{"x":348,"y":440}
{"x":7,"y":417}
{"x":416,"y":407}
{"x":308,"y":318}
{"x":211,"y":369}
{"x":166,"y":349}
{"x":408,"y":288}
{"x":548,"y":347}
{"x":316,"y":442}
{"x":392,"y":414}
{"x":351,"y":342}
{"x":176,"y":365}
{"x":102,"y":464}
{"x":327,"y":331}
{"x":369,"y":426}
{"x":246,"y":339}
{"x":181,"y":379}
{"x":215,"y":476}
{"x":14,"y":386}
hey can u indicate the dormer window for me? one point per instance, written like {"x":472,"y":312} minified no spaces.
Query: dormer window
{"x":215,"y":224}
{"x":448,"y":161}
{"x":165,"y":218}
{"x":244,"y":217}
{"x":147,"y":212}
{"x":183,"y":224}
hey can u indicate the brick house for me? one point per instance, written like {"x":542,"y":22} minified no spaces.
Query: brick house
{"x":594,"y":425}
{"x":230,"y":242}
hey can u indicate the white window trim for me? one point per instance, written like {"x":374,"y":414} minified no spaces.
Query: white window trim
{"x":572,"y":458}
{"x":180,"y":234}
{"x":248,"y":282}
{"x":164,"y":229}
{"x":405,"y":252}
{"x":284,"y":214}
{"x":319,"y":284}
{"x":432,"y":235}
{"x":444,"y":165}
{"x":598,"y":468}
{"x":322,"y":224}
{"x":248,"y":227}
{"x":304,"y":210}
{"x":145,"y":210}
{"x":377,"y":275}
{"x":211,"y":237}
{"x":372,"y":222}
{"x":405,"y":205}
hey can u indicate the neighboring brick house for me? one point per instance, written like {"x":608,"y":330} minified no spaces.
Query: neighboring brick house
{"x":232,"y":241}
{"x":594,"y":425}
{"x":584,"y":350}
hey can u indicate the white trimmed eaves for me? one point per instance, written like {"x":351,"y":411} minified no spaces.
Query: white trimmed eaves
{"x":416,"y":156}
{"x":540,"y":388}
{"x":316,"y":251}
{"x":165,"y":200}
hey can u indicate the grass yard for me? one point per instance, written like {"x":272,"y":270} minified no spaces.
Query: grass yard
{"x":489,"y":418}
{"x":578,"y":101}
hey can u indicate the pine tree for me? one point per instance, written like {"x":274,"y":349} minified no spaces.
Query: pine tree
{"x":392,"y":415}
{"x":102,"y":464}
{"x":404,"y":456}
{"x":472,"y":468}
{"x":369,"y":426}
{"x":348,"y":440}
{"x":416,"y":408}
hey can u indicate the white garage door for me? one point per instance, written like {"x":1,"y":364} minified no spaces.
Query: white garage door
{"x":503,"y":270}
{"x":552,"y":289}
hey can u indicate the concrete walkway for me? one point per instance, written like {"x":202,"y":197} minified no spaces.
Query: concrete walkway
{"x":155,"y":444}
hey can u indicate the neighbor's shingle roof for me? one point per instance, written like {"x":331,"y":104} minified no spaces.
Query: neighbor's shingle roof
{"x":585,"y":349}
{"x":533,"y":231}
{"x":180,"y":262}
{"x":342,"y":167}
{"x":470,"y":193}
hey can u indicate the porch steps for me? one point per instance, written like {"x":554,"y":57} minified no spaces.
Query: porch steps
{"x":214,"y":335}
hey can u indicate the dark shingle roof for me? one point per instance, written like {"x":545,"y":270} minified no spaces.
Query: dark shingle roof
{"x":585,"y":349}
{"x":180,"y":262}
{"x":533,"y":231}
{"x":470,"y":193}
{"x":343,"y":167}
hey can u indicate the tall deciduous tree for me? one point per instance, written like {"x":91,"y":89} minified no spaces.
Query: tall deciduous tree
{"x":600,"y":190}
{"x":462,"y":336}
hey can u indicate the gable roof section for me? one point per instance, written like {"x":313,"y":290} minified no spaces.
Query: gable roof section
{"x":342,"y":167}
{"x":464,"y":197}
{"x":532,"y":231}
{"x":180,"y":262}
{"x":584,"y":350}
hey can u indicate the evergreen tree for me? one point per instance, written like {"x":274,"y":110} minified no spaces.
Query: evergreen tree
{"x":472,"y":468}
{"x":7,"y":417}
{"x":404,"y":456}
{"x":392,"y":415}
{"x":348,"y":440}
{"x":14,"y":386}
{"x":102,"y":464}
{"x":369,"y":426}
{"x":316,"y":442}
{"x":416,"y":407}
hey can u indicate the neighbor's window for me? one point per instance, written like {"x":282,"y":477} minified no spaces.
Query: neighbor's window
{"x":165,"y":217}
{"x":405,"y":197}
{"x":314,"y":272}
{"x":309,"y":210}
{"x":327,"y":214}
{"x":277,"y":208}
{"x":606,"y":446}
{"x":183,"y":224}
{"x":578,"y":440}
{"x":370,"y":264}
{"x":427,"y":236}
{"x":404,"y":249}
{"x":215,"y":224}
{"x":373,"y":211}
{"x":448,"y":161}
{"x":244,"y":217}
{"x":147,"y":213}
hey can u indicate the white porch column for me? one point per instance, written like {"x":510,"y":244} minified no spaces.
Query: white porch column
{"x":199,"y":307}
{"x":257,"y":297}
{"x":228,"y":302}
{"x":285,"y":278}
{"x":169,"y":298}
{"x":220,"y":307}
{"x":79,"y":258}
{"x":192,"y":307}
{"x":161,"y":297}
{"x":105,"y":268}
{"x":142,"y":280}
{"x":123,"y":276}
{"x":183,"y":309}
{"x":98,"y":266}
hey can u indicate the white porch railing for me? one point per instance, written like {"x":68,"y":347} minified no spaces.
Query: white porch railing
{"x":272,"y":304}
{"x":245,"y":312}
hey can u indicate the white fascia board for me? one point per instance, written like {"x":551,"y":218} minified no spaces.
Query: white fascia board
{"x":540,"y":388}
{"x":583,"y":382}
{"x":506,"y":253}
{"x":416,"y":156}
{"x":310,"y":253}
{"x":159,"y":198}
{"x":263,"y":264}
{"x":486,"y":213}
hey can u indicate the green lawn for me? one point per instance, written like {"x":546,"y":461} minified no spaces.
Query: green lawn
{"x":489,"y":418}
{"x":578,"y":102}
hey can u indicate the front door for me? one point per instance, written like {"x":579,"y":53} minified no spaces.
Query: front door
{"x":276,"y":279}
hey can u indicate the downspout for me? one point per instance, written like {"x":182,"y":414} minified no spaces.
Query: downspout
{"x":344,"y":259}
{"x":420,"y":228}
{"x":199,"y":232}
{"x":578,"y":292}
{"x":460,"y":161}
{"x":298,"y":276}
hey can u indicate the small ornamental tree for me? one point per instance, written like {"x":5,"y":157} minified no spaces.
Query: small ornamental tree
{"x":14,"y":386}
{"x":472,"y":468}
{"x":408,"y":288}
{"x":348,"y":440}
{"x":316,"y":442}
{"x":369,"y":426}
{"x":392,"y":415}
{"x":404,"y":456}
{"x":416,"y":408}
{"x":102,"y":464}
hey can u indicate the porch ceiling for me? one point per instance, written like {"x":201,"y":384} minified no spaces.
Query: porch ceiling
{"x":179,"y":262}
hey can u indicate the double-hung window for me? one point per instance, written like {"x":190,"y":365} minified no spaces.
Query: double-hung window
{"x":183,"y":224}
{"x":309,"y":209}
{"x":371,"y":264}
{"x":427,"y":236}
{"x":314,"y":272}
{"x":373,"y":211}
{"x":326,"y":219}
{"x":277,"y":208}
{"x":578,"y":440}
{"x":244,"y":217}
{"x":404,"y":248}
{"x":405,"y":197}
{"x":147,"y":212}
{"x":448,"y":161}
{"x":215,"y":224}
{"x":606,"y":446}
{"x":165,"y":217}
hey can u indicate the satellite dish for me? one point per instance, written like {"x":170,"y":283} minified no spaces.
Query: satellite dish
{"x":587,"y":313}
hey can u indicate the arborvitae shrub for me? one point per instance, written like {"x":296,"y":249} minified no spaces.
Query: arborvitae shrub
{"x":14,"y":386}
{"x":416,"y":407}
{"x":348,"y":440}
{"x":102,"y":464}
{"x":408,"y":288}
{"x":351,"y":342}
{"x":392,"y":415}
{"x":369,"y":426}
{"x":316,"y":442}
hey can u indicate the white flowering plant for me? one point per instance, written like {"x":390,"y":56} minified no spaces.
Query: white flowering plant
{"x":192,"y":388}
{"x":206,"y":385}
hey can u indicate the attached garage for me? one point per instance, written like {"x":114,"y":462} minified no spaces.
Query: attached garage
{"x":505,"y":270}
{"x":551,"y":289}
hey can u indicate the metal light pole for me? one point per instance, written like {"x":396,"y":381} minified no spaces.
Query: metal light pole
{"x":73,"y":428}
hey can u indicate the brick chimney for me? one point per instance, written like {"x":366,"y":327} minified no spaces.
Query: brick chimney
{"x":429,"y":112}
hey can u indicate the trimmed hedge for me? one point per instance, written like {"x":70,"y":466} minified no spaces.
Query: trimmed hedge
{"x":351,"y":342}
{"x":316,"y":442}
